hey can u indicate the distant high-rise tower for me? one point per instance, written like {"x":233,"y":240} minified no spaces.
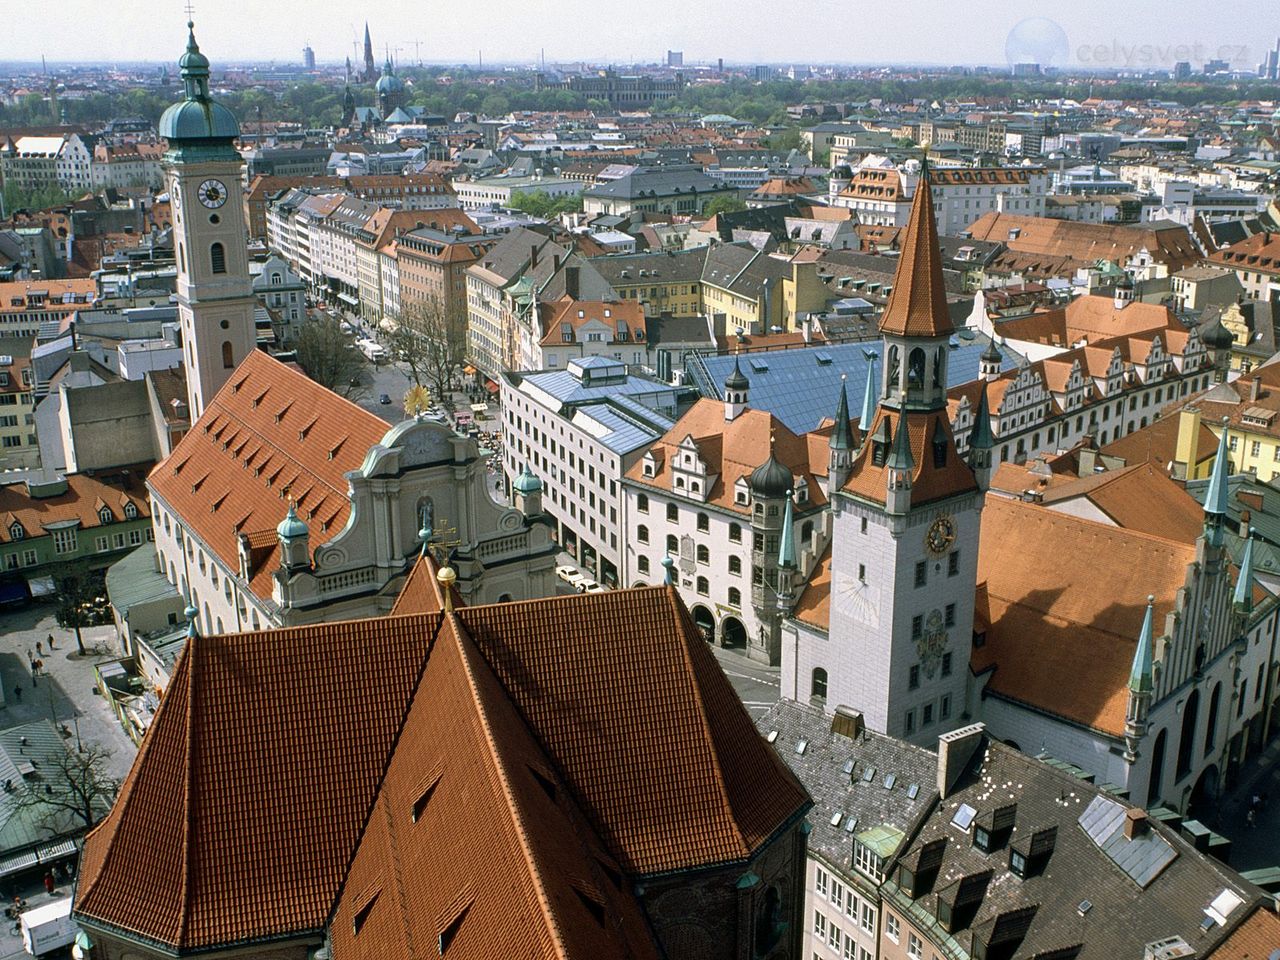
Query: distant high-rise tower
{"x":370,"y":68}
{"x":675,"y":58}
{"x":308,"y":58}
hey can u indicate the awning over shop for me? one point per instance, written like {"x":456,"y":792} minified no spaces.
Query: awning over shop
{"x":491,"y":386}
{"x":56,"y":851}
{"x":348,"y":298}
{"x":17,"y":864}
{"x":469,"y":370}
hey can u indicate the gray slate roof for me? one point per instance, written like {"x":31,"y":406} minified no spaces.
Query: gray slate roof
{"x":833,"y":768}
{"x":1041,"y":912}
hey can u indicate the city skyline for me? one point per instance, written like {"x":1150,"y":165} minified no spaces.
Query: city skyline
{"x":1153,"y":36}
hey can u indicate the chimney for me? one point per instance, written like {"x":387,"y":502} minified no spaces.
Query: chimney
{"x":1088,"y":460}
{"x":533,"y":255}
{"x":1255,"y":386}
{"x":1187,"y":452}
{"x":555,"y":263}
{"x":1245,"y":518}
{"x":955,"y":750}
{"x":1135,"y":823}
{"x":571,"y":281}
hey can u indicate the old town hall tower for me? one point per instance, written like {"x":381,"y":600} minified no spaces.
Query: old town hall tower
{"x":215,"y":295}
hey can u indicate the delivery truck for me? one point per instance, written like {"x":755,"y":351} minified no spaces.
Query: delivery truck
{"x":47,"y":927}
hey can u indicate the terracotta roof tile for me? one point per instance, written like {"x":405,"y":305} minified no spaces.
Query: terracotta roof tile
{"x":929,"y":483}
{"x":1140,"y":497}
{"x":917,"y":305}
{"x":1075,"y":615}
{"x":258,"y":800}
{"x":814,"y":605}
{"x":1255,"y":939}
{"x":244,"y":446}
{"x":84,"y":498}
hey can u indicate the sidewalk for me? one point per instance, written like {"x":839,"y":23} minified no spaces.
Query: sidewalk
{"x":66,"y":692}
{"x":1258,"y":846}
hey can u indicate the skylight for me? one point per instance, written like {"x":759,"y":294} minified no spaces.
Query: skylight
{"x":964,"y":816}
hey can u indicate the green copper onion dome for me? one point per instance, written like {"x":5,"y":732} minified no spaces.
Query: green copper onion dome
{"x":197,"y":116}
{"x":526,"y":483}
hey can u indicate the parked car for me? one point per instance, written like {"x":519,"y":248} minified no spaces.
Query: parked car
{"x":384,"y":399}
{"x":593,"y":587}
{"x":566,"y":573}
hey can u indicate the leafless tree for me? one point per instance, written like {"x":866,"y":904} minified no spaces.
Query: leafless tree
{"x":431,"y":339}
{"x":330,"y":358}
{"x":70,"y":790}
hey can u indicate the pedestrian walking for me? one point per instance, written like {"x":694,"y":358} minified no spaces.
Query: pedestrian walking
{"x":48,"y":883}
{"x":30,"y":655}
{"x":49,"y":640}
{"x":39,"y":649}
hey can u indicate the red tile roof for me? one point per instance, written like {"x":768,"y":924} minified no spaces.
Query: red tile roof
{"x":917,"y":305}
{"x":270,"y":433}
{"x":928,"y":483}
{"x":83,"y":501}
{"x":547,"y":762}
{"x":1066,"y":598}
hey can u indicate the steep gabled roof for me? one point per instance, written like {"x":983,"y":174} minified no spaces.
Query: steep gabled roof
{"x":928,"y":482}
{"x":917,"y":306}
{"x":269,"y":433}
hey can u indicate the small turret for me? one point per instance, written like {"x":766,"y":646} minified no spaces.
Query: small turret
{"x":1141,"y":685}
{"x":841,"y":445}
{"x":1123,"y":292}
{"x":787,"y":567}
{"x":1242,"y":600}
{"x":1216,"y":497}
{"x":981,"y":441}
{"x":990,"y":361}
{"x":193,"y":620}
{"x":526,"y":490}
{"x":869,"y":397}
{"x":1218,"y":340}
{"x":736,"y":391}
{"x":899,"y":468}
{"x":294,"y":537}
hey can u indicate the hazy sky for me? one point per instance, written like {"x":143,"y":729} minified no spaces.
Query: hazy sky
{"x":1113,"y":33}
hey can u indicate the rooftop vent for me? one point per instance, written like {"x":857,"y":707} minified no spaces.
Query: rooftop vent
{"x":848,"y":723}
{"x":1084,"y":907}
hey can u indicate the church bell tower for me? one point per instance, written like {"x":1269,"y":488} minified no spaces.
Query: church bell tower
{"x":202,"y":172}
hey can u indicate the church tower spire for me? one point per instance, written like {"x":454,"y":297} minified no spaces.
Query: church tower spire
{"x":1216,"y":498}
{"x":215,"y":294}
{"x":370,"y":68}
{"x":1141,"y":685}
{"x":841,"y":445}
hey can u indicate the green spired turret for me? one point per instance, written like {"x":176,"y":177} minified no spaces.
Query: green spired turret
{"x":1243,"y":598}
{"x":842,"y":435}
{"x":1215,"y":501}
{"x":1141,"y":676}
{"x":869,"y":399}
{"x":787,"y":543}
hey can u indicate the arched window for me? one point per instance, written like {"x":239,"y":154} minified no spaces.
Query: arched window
{"x":704,"y":587}
{"x":704,"y":554}
{"x":131,"y":513}
{"x":939,"y":365}
{"x":105,"y":515}
{"x":735,"y":533}
{"x":735,"y":597}
{"x":16,"y":532}
{"x":1157,"y":769}
{"x":642,"y":533}
{"x":806,"y":531}
{"x":891,"y":371}
{"x":915,"y":369}
{"x":1257,"y":683}
{"x":673,"y":545}
{"x":228,"y":361}
{"x":704,"y":523}
{"x":673,"y":513}
{"x":642,"y":502}
{"x":1211,"y":732}
{"x":217,"y":258}
{"x":642,"y":564}
{"x":1186,"y":743}
{"x":735,"y":564}
{"x":818,"y":685}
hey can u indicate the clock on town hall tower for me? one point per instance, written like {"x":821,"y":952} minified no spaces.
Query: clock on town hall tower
{"x":215,"y":294}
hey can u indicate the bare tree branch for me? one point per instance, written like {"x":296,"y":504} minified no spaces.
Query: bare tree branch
{"x":70,"y":791}
{"x":330,"y":358}
{"x":431,"y":339}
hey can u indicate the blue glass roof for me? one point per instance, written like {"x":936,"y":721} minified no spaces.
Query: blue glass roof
{"x":801,"y":387}
{"x":622,"y":434}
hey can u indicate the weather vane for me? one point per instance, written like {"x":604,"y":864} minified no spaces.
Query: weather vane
{"x":439,"y":543}
{"x":191,"y":13}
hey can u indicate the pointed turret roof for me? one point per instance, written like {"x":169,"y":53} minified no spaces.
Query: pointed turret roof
{"x":787,"y":550}
{"x":918,"y":304}
{"x":900,"y":457}
{"x":869,"y":395}
{"x":1243,"y":598}
{"x":1215,"y":501}
{"x":842,"y":435}
{"x":1140,"y":677}
{"x":737,"y":380}
{"x":980,"y":436}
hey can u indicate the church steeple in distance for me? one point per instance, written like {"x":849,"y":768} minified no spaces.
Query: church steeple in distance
{"x":370,"y":68}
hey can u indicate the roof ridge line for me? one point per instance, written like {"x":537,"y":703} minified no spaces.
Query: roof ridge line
{"x":498,"y":758}
{"x":124,"y":799}
{"x":682,"y":614}
{"x":189,"y":741}
{"x":397,"y":871}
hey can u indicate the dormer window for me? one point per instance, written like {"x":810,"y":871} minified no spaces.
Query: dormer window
{"x":16,"y":532}
{"x":130,"y":511}
{"x":105,"y":515}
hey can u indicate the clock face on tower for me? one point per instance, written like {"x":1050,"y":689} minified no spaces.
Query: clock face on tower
{"x":940,"y":535}
{"x":212,"y":193}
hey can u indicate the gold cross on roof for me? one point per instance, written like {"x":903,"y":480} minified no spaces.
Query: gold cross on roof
{"x":442,"y":540}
